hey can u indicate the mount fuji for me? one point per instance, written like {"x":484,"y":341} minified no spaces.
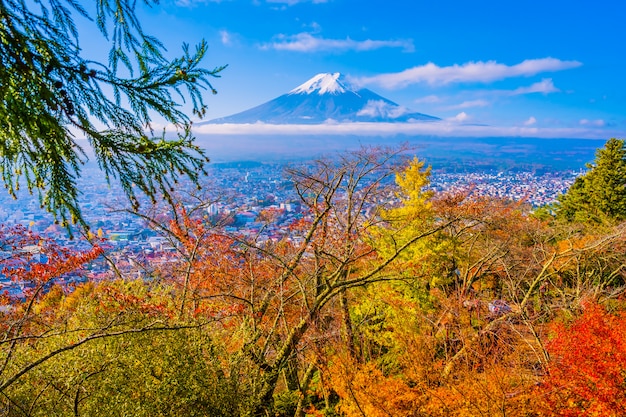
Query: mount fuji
{"x":326,"y":98}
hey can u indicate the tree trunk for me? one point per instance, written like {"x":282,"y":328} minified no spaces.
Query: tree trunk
{"x":348,"y":332}
{"x":306,"y":380}
{"x":265,"y":398}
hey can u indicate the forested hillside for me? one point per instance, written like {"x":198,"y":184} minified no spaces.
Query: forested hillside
{"x":383,"y":299}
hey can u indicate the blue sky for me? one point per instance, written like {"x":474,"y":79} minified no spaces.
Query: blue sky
{"x":534,"y":68}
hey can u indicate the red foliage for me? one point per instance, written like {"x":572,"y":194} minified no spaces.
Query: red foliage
{"x":34,"y":264}
{"x":30,"y":269}
{"x":587,"y":374}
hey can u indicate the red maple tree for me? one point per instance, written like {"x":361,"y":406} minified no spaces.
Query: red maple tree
{"x":587,"y":373}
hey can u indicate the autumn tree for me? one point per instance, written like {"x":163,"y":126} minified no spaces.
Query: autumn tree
{"x":53,"y":95}
{"x":67,"y":343}
{"x":601,"y":192}
{"x":591,"y":265}
{"x":464,"y":332}
{"x":461,"y":328}
{"x":429,"y":337}
{"x":29,"y":268}
{"x":381,"y":298}
{"x":281,"y":299}
{"x":586,"y":373}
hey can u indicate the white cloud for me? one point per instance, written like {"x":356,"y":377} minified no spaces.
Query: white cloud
{"x":315,"y":27}
{"x":306,"y":42}
{"x":193,"y":3}
{"x":450,"y":128}
{"x":597,"y":122}
{"x":484,"y":98}
{"x":468,"y":104}
{"x":225,"y":37}
{"x":292,"y":2}
{"x":459,"y":118}
{"x":544,"y":86}
{"x":428,"y":100}
{"x":470,"y":72}
{"x":380,"y":108}
{"x":530,"y":121}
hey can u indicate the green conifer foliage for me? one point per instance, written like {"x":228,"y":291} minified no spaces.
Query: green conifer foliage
{"x":600,"y":194}
{"x":51,"y":96}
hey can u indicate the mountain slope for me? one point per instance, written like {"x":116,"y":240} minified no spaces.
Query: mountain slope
{"x":323,"y":98}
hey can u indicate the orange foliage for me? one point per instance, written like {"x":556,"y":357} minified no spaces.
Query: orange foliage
{"x":498,"y":389}
{"x":495,"y":376}
{"x":366,"y":391}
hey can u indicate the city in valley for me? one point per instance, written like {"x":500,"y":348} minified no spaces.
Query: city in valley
{"x":237,"y":196}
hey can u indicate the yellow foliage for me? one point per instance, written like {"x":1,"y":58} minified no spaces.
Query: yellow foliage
{"x":413,"y":216}
{"x":413,"y":180}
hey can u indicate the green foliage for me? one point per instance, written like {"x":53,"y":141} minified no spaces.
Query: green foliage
{"x":600,"y":194}
{"x":163,"y":374}
{"x":146,"y":365}
{"x":285,"y":403}
{"x":51,"y":96}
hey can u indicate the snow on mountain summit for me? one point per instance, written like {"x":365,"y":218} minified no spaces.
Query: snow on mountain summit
{"x":322,"y":84}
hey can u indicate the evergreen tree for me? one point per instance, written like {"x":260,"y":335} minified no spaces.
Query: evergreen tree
{"x":51,"y":96}
{"x":600,"y":194}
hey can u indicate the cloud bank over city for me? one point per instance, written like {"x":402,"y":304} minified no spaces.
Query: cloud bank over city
{"x":456,"y":126}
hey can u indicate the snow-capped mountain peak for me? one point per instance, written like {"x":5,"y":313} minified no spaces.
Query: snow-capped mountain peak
{"x":322,"y":84}
{"x":326,"y":97}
